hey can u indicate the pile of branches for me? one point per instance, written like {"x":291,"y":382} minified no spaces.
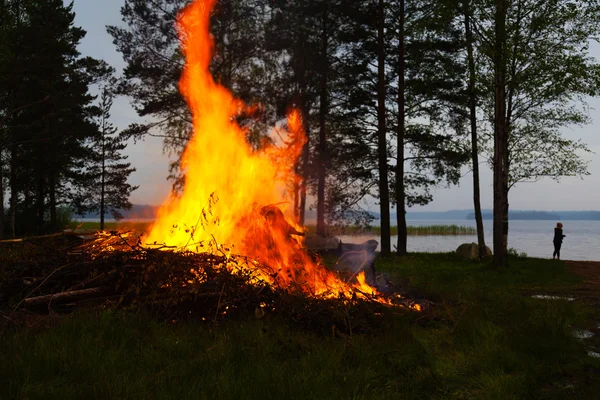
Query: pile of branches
{"x":113,"y":269}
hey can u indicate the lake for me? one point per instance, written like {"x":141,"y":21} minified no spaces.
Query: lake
{"x":531,"y":237}
{"x":582,"y":241}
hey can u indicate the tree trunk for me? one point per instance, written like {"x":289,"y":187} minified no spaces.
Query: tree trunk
{"x":29,"y":217}
{"x":500,"y":145}
{"x":473,"y":120}
{"x":296,"y":192}
{"x":384,"y":191}
{"x":1,"y":196}
{"x":512,"y":78}
{"x":322,"y":128}
{"x":64,"y":297}
{"x":52,"y":194}
{"x":103,"y":184}
{"x":39,"y":203}
{"x":13,"y":190}
{"x":400,"y":189}
{"x":305,"y":161}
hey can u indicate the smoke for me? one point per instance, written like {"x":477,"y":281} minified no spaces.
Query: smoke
{"x":356,"y":258}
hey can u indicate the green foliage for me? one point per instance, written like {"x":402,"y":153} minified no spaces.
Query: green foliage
{"x":317,"y":73}
{"x":64,"y":216}
{"x":550,"y":76}
{"x":46,"y":109}
{"x":512,"y":252}
{"x":432,"y":89}
{"x":150,"y":46}
{"x":103,"y":177}
{"x":280,"y":61}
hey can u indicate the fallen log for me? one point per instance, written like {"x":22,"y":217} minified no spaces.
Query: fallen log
{"x":98,"y":279}
{"x":49,"y":236}
{"x":25,"y":239}
{"x":65,"y":297}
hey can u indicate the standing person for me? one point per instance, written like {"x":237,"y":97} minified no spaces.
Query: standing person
{"x":558,"y":238}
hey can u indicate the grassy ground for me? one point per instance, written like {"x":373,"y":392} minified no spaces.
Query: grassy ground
{"x":484,"y":338}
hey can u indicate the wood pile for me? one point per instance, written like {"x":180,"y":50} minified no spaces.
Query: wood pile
{"x":64,"y":272}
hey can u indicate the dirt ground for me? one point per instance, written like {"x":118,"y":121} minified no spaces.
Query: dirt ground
{"x":589,"y":289}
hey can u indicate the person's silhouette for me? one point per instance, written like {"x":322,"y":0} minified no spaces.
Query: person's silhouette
{"x":558,"y":238}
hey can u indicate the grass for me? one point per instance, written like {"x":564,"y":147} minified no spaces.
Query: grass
{"x":484,"y":338}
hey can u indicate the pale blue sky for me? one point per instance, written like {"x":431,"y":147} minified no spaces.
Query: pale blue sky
{"x":152,"y":164}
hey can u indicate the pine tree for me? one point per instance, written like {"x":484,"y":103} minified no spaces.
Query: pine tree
{"x":310,"y":38}
{"x":473,"y":100}
{"x":151,"y":48}
{"x":5,"y":55}
{"x":412,"y":67}
{"x":106,"y":189}
{"x":291,"y":41}
{"x":47,"y":109}
{"x":364,"y":106}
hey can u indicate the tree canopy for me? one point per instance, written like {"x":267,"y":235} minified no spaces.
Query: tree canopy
{"x":47,"y":112}
{"x":396,"y":98}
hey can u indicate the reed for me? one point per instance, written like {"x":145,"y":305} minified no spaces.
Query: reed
{"x":441,"y":230}
{"x":425,"y":230}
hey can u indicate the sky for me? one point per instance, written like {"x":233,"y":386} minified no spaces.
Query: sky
{"x":572,"y":193}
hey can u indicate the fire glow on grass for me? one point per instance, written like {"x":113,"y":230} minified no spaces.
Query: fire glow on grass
{"x":235,"y":197}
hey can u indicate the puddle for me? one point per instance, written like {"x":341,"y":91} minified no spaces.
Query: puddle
{"x":582,"y":334}
{"x":548,"y":297}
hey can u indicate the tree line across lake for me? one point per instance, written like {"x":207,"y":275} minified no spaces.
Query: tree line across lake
{"x":397,"y":97}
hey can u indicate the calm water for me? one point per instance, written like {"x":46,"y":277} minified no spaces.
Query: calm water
{"x":531,"y":237}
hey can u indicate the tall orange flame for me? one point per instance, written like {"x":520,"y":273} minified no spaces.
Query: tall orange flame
{"x":235,"y":198}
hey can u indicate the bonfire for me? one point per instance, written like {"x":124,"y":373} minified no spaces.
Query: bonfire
{"x":220,"y":164}
{"x":229,"y":241}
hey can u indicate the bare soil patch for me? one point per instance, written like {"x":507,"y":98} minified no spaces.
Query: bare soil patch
{"x":588,"y":292}
{"x":589,"y":289}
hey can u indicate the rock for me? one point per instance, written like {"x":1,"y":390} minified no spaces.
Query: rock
{"x":550,"y":297}
{"x":582,"y":334}
{"x":471,"y":251}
